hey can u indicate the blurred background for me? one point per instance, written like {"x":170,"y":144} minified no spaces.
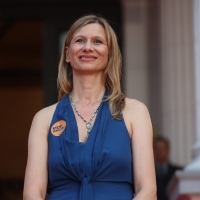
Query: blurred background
{"x":157,"y":40}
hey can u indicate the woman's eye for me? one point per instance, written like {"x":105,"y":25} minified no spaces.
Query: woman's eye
{"x":80,"y":40}
{"x":97,"y":41}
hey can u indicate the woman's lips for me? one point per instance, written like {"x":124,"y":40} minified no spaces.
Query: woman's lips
{"x":87,"y":58}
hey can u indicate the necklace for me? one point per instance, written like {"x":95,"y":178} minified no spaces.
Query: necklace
{"x":88,"y":123}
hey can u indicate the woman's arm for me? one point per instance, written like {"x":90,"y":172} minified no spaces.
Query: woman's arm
{"x":35,"y":184}
{"x":142,"y":138}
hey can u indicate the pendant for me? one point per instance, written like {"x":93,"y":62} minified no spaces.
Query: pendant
{"x":88,"y":126}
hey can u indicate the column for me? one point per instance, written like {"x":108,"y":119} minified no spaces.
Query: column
{"x":135,"y":49}
{"x":177,"y":65}
{"x":196,"y":8}
{"x":186,"y":183}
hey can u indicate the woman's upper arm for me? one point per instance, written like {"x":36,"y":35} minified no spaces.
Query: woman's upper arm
{"x":36,"y":170}
{"x":142,"y":139}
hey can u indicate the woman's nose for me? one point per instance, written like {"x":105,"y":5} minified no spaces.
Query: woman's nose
{"x":88,"y":46}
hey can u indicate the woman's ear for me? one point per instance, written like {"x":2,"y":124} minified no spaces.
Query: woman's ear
{"x":67,"y":54}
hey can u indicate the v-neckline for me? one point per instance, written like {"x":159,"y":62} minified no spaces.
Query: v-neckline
{"x":74,"y":124}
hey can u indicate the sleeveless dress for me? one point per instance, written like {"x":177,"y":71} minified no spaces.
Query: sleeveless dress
{"x":100,"y":168}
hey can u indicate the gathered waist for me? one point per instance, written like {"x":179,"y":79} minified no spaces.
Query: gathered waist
{"x":92,"y":190}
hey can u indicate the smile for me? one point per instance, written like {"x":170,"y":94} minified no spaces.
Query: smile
{"x":87,"y":57}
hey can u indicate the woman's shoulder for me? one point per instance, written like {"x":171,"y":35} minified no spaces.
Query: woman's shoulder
{"x":46,"y":111}
{"x":134,"y":106}
{"x":41,"y":122}
{"x":45,"y":115}
{"x":136,"y":115}
{"x":136,"y":111}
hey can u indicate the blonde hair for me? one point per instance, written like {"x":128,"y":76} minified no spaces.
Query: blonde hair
{"x":112,"y":71}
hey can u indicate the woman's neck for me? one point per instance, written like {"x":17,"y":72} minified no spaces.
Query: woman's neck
{"x":88,"y":89}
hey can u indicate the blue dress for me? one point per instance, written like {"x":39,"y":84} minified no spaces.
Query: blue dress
{"x":99,"y":169}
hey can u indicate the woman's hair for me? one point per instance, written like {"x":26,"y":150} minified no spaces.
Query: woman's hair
{"x":112,"y":71}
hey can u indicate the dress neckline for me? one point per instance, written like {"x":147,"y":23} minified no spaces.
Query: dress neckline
{"x":74,"y":124}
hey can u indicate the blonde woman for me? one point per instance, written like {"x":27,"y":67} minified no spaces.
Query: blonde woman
{"x":94,"y":144}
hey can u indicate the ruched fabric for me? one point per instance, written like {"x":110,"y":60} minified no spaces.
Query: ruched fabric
{"x":100,"y":168}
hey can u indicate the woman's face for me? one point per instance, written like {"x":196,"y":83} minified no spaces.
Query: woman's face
{"x":88,"y":50}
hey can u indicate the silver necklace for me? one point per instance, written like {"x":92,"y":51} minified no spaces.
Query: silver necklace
{"x":88,"y":123}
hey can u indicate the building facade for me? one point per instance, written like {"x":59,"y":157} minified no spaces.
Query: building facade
{"x":159,"y":40}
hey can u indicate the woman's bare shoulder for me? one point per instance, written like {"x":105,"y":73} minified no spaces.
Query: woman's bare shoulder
{"x":46,"y":112}
{"x":133,"y":112}
{"x":136,"y":115}
{"x":134,"y":106}
{"x":42,"y":118}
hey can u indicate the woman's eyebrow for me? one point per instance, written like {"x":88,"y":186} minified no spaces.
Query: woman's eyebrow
{"x":99,"y":37}
{"x":95,"y":36}
{"x":78,"y":36}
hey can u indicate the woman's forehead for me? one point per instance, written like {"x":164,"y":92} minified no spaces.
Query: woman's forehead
{"x":91,"y":29}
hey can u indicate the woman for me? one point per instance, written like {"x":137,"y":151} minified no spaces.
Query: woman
{"x":94,"y":142}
